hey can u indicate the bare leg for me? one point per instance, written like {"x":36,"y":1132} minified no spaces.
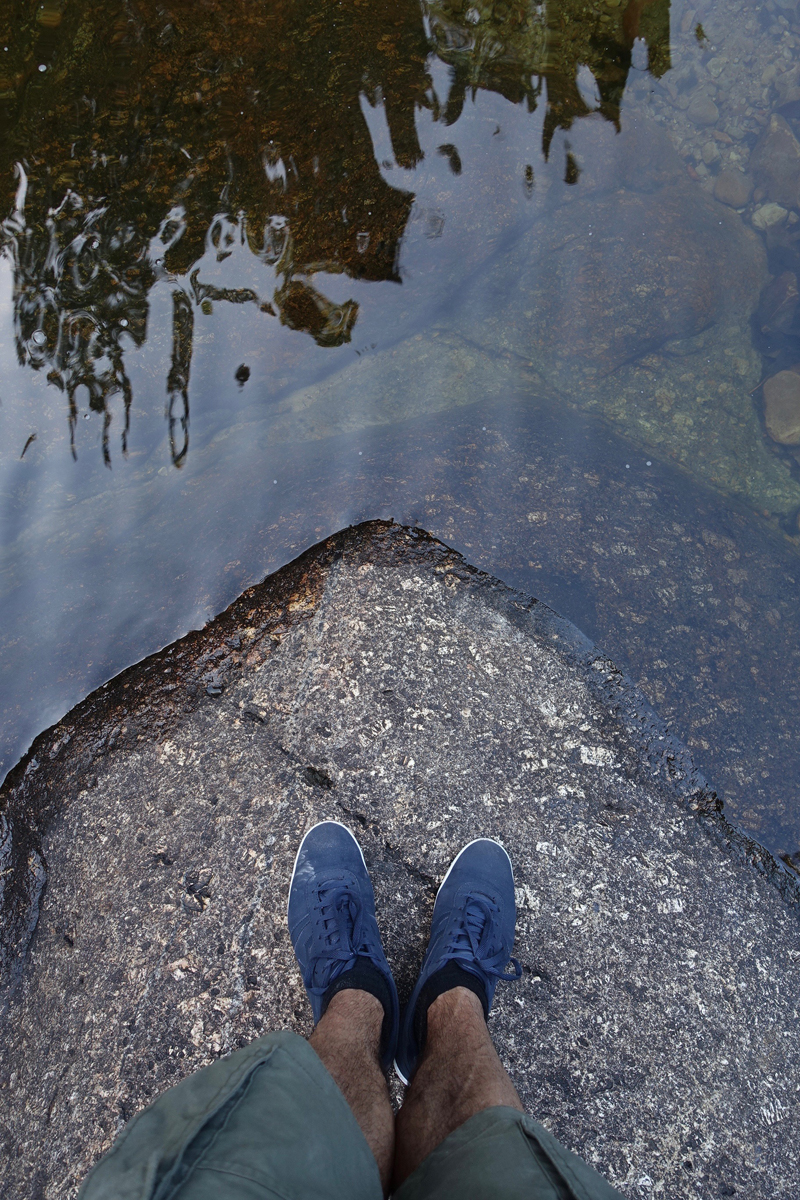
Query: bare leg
{"x":347,"y":1039}
{"x":459,"y":1075}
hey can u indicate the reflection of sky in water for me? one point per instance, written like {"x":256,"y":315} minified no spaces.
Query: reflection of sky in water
{"x":381,"y":412}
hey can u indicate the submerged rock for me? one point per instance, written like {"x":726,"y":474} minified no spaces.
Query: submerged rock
{"x":775,"y":163}
{"x":612,"y":277}
{"x":635,"y":302}
{"x":787,"y":85}
{"x":630,"y":295}
{"x":778,"y":304}
{"x":703,"y":111}
{"x":769,"y":216}
{"x":381,"y":681}
{"x":782,"y":407}
{"x":733,"y":187}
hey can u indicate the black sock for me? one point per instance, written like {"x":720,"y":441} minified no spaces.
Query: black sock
{"x":450,"y":976}
{"x":365,"y":976}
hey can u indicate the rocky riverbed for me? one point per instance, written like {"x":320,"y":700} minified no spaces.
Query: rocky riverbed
{"x":382,"y":681}
{"x":730,"y":107}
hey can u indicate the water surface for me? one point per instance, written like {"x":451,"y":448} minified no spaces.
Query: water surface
{"x":271,"y":269}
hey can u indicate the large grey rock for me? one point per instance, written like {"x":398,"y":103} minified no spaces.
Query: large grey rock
{"x":382,"y":681}
{"x":633,"y":257}
{"x":688,"y":261}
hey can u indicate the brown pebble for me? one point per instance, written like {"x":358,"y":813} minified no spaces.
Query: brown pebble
{"x":782,"y":406}
{"x":733,"y":187}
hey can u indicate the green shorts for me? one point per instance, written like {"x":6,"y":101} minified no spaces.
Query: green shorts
{"x":269,"y":1123}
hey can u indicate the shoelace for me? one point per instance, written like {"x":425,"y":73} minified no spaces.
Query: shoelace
{"x":471,"y":939}
{"x":339,"y":936}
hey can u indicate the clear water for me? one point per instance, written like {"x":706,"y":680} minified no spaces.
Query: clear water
{"x":270,"y":269}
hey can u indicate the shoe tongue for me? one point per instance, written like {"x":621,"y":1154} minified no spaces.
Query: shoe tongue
{"x":340,"y":911}
{"x":477,"y":922}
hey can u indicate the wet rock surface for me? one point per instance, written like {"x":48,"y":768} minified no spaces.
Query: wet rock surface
{"x":381,"y":681}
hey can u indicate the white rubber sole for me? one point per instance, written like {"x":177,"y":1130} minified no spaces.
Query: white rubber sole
{"x":300,"y":847}
{"x":397,"y":1070}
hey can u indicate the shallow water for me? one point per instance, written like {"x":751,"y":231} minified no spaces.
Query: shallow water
{"x":271,"y":269}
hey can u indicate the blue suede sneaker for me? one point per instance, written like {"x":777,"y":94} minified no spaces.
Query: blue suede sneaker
{"x":472,"y":936}
{"x":333,"y":928}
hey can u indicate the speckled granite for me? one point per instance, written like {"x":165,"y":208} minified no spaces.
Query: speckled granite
{"x":381,"y":681}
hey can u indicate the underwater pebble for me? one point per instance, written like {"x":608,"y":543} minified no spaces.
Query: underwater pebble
{"x":782,"y":407}
{"x":733,"y":187}
{"x":703,"y":111}
{"x":768,"y":216}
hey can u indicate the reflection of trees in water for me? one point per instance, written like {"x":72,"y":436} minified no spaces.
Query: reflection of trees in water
{"x":178,"y":378}
{"x":162,"y":132}
{"x":517,"y":48}
{"x":79,"y":286}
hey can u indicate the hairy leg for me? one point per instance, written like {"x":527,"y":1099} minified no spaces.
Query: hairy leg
{"x":460,"y":1074}
{"x":347,"y":1039}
